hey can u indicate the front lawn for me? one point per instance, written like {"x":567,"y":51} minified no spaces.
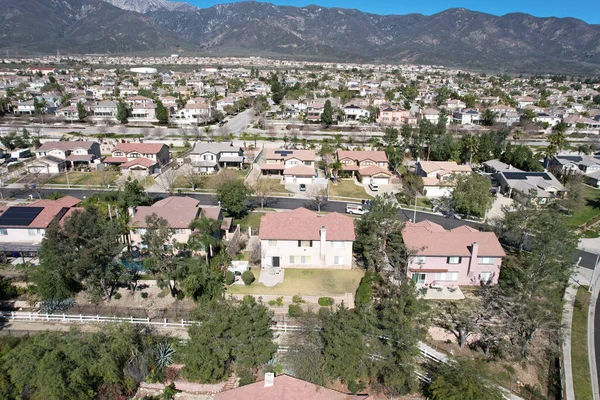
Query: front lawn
{"x":250,"y":220}
{"x":209,"y":182}
{"x":96,"y":178}
{"x":590,"y":211}
{"x":347,"y":188}
{"x":306,"y":282}
{"x":579,"y":349}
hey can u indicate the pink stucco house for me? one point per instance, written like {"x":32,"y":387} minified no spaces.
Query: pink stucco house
{"x":461,"y":256}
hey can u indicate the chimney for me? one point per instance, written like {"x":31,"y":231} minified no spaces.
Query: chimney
{"x":269,"y":379}
{"x":323,"y":234}
{"x":474,"y":257}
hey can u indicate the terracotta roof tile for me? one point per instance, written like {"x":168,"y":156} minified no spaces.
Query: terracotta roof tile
{"x":374,"y":155}
{"x":144,"y":148}
{"x":303,"y":224}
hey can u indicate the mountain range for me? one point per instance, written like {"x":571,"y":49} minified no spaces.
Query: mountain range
{"x":456,"y":37}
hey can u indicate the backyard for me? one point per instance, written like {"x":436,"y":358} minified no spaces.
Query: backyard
{"x":96,"y":178}
{"x":305,"y":282}
{"x":579,"y":349}
{"x":590,"y":212}
{"x":252,"y":220}
{"x":347,"y":188}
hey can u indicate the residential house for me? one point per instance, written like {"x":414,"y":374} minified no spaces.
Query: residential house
{"x":391,"y":115}
{"x":430,"y":114}
{"x":314,"y":110}
{"x":285,"y":387}
{"x":193,"y":113}
{"x":106,"y":109}
{"x":297,"y":166}
{"x":24,"y":107}
{"x":211,"y":157}
{"x":454,"y":105}
{"x":467,"y":117}
{"x":76,"y":154}
{"x":515,"y":183}
{"x":543,"y":117}
{"x":575,"y":164}
{"x":179,"y":212}
{"x":143,"y":111}
{"x":461,"y":256}
{"x":439,"y":177}
{"x":139,"y":158}
{"x":41,"y":70}
{"x":22,"y":228}
{"x":576,"y":121}
{"x":69,"y":112}
{"x":367,"y":166}
{"x":302,"y":239}
{"x":525,"y":101}
{"x":354,"y":112}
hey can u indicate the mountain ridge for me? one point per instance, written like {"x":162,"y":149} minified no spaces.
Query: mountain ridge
{"x":457,"y":37}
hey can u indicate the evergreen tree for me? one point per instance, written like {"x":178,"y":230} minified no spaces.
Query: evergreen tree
{"x":122,"y":112}
{"x":162,"y":113}
{"x":327,"y":115}
{"x":81,"y":114}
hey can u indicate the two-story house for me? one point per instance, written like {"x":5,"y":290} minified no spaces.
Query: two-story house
{"x":76,"y":154}
{"x":210,"y":157}
{"x":297,"y":166}
{"x":22,"y":228}
{"x":139,"y":157}
{"x":461,"y":256}
{"x":439,"y":177}
{"x":391,"y":115}
{"x":106,"y":109}
{"x":303,"y":239}
{"x":193,"y":113}
{"x":355,"y":112}
{"x":143,"y":112}
{"x":367,"y":166}
{"x":179,"y":212}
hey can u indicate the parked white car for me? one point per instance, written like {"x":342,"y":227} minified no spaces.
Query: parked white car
{"x":373,"y":186}
{"x":356,"y":209}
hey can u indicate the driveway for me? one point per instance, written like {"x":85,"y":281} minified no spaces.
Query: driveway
{"x":387,"y":188}
{"x":240,"y":122}
{"x":496,"y":211}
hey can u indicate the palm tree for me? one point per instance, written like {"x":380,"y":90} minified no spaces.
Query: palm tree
{"x":336,"y":166}
{"x":205,"y":235}
{"x":338,"y":141}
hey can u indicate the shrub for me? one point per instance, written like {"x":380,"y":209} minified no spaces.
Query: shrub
{"x":325,"y":301}
{"x":279,"y":301}
{"x":117,"y":296}
{"x":180,"y":296}
{"x":229,"y":278}
{"x":297,"y":299}
{"x":144,"y":295}
{"x":295,"y":310}
{"x":248,"y":277}
{"x":324,"y":312}
{"x":354,"y":387}
{"x":271,"y":303}
{"x":364,"y":292}
{"x":246,"y":377}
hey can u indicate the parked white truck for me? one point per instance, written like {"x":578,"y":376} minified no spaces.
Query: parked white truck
{"x":357,"y":209}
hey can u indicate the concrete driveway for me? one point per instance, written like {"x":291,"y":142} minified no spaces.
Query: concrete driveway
{"x":387,"y":188}
{"x":500,"y":202}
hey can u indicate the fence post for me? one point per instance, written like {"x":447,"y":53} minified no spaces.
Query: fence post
{"x":131,"y":318}
{"x":12,"y":314}
{"x":165,"y":322}
{"x":97,"y":318}
{"x":47,"y":317}
{"x":64,"y":317}
{"x":80,"y":318}
{"x":182,"y":325}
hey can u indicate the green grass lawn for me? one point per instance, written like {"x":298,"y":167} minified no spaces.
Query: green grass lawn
{"x":306,"y":282}
{"x":579,"y":349}
{"x":591,"y":209}
{"x":252,"y":220}
{"x":209,"y":182}
{"x":95,"y":178}
{"x":347,"y":188}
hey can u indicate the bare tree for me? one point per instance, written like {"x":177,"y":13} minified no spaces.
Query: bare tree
{"x":264,"y":189}
{"x":271,"y":133}
{"x":122,"y":129}
{"x":167,"y":180}
{"x":102,"y":128}
{"x":318,"y":197}
{"x":190,"y":176}
{"x":145,"y":131}
{"x":209,"y":133}
{"x":159,"y":132}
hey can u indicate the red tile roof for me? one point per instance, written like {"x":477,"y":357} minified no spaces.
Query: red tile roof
{"x":116,"y":160}
{"x":66,"y":201}
{"x":286,"y":388}
{"x":303,"y":155}
{"x":176,"y":217}
{"x":374,"y":155}
{"x":177,"y":201}
{"x":426,"y":238}
{"x":300,"y":170}
{"x":303,"y":224}
{"x":143,"y":161}
{"x":374,"y":170}
{"x":144,"y":148}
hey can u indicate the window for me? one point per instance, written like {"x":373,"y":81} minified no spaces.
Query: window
{"x":32,"y":232}
{"x":134,"y":155}
{"x":446,"y":276}
{"x":3,"y":232}
{"x":307,"y":162}
{"x":141,"y":231}
{"x":381,"y":164}
{"x":292,"y":260}
{"x":208,"y":157}
{"x":304,"y":260}
{"x":118,"y":153}
{"x":421,"y":259}
{"x":272,"y":243}
{"x":304,"y":243}
{"x":419,"y":278}
{"x":485,"y":260}
{"x":336,"y":244}
{"x":454,"y":260}
{"x":367,"y":163}
{"x":300,"y":260}
{"x":179,"y":231}
{"x":485,"y":276}
{"x":338,"y":260}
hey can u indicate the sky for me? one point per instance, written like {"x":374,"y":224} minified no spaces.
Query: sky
{"x":587,"y":10}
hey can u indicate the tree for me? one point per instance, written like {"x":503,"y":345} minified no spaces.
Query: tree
{"x":168,"y":180}
{"x":81,"y":113}
{"x":318,"y":197}
{"x":202,"y":281}
{"x":379,"y":236}
{"x":205,"y":235}
{"x":471,"y":197}
{"x":327,"y":114}
{"x":228,"y":334}
{"x":157,"y":238}
{"x":344,"y":351}
{"x":122,"y":112}
{"x":162,"y":113}
{"x":133,"y":194}
{"x":489,"y":117}
{"x":277,"y":89}
{"x":234,"y":197}
{"x":305,"y":357}
{"x":458,"y":319}
{"x":412,"y":184}
{"x":462,"y":380}
{"x":263,"y":190}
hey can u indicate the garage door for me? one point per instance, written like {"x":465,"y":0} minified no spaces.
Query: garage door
{"x":303,"y":180}
{"x":381,"y":180}
{"x":289,"y":179}
{"x":366,"y":180}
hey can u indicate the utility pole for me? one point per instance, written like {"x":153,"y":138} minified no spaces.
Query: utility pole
{"x":415,"y":212}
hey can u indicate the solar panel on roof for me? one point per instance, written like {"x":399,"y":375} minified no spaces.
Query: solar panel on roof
{"x":19,"y":216}
{"x":524,"y":175}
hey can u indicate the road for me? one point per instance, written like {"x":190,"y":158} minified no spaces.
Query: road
{"x":588,"y":260}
